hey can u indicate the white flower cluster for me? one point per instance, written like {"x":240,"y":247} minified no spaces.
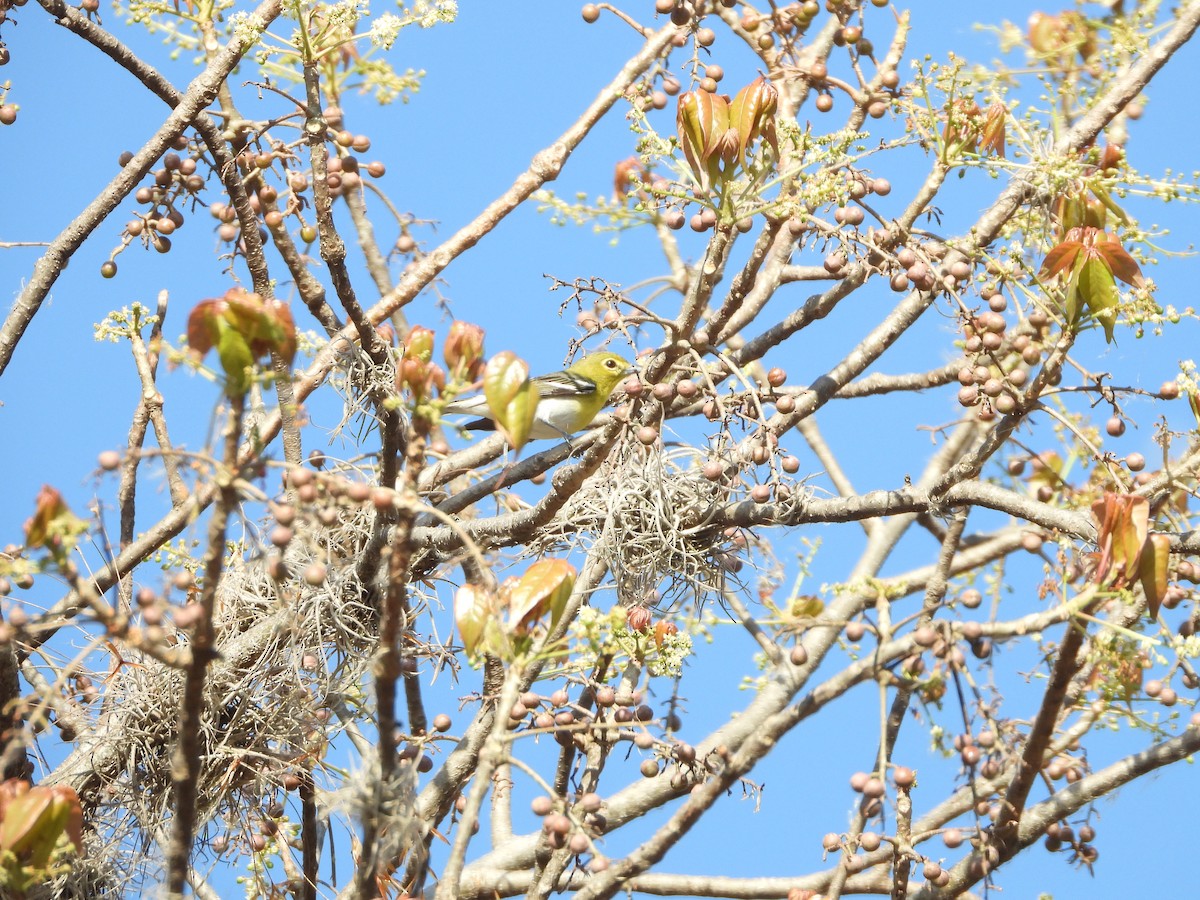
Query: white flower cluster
{"x":385,"y":29}
{"x":347,"y":13}
{"x":245,"y":28}
{"x":1187,"y":378}
{"x":427,"y":14}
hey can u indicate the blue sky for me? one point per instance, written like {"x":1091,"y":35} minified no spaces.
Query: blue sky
{"x":502,"y":83}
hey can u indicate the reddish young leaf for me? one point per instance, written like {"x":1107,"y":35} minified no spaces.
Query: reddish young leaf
{"x":992,"y":140}
{"x":52,"y":524}
{"x":628,"y":174}
{"x":961,"y":133}
{"x":266,"y":325}
{"x":1119,"y":262}
{"x":1111,"y":158}
{"x":694,"y":123}
{"x":48,"y":506}
{"x":203,"y":328}
{"x":1061,"y":257}
{"x":1122,"y":526}
{"x":243,"y":327}
{"x":1044,"y":33}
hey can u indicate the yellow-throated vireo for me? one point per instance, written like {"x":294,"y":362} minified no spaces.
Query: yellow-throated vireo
{"x":567,"y":400}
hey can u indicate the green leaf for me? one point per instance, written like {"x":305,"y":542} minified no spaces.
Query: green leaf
{"x":472,"y":610}
{"x":690,"y":126}
{"x":236,"y":359}
{"x":1061,"y":256}
{"x":511,"y":397}
{"x":419,"y":343}
{"x":1152,"y":571}
{"x":546,"y":585}
{"x":1098,"y":289}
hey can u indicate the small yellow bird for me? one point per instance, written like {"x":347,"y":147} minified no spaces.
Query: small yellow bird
{"x":567,"y":400}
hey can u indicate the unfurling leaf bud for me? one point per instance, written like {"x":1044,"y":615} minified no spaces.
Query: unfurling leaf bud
{"x":716,"y":135}
{"x":752,"y":114}
{"x":663,"y":630}
{"x":244,"y":327}
{"x":464,"y":350}
{"x":34,"y":819}
{"x":52,"y":525}
{"x":638,"y":618}
{"x":701,"y":121}
{"x":419,"y":344}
